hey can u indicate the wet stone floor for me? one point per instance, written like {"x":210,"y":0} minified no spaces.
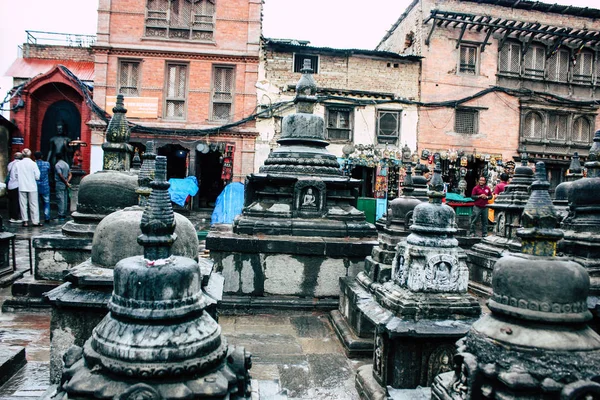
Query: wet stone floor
{"x":294,"y":356}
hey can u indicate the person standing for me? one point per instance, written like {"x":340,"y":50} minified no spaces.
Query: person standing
{"x":501,"y":185}
{"x":14,"y":212}
{"x":62,"y":176}
{"x":481,"y":194}
{"x":27,"y":174}
{"x":43,"y":183}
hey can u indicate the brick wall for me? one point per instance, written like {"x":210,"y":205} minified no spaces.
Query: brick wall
{"x":57,"y":52}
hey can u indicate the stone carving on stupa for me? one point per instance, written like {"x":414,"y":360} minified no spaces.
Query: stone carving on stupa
{"x":581,"y":241}
{"x":508,"y":208}
{"x":561,"y":193}
{"x":157,"y":341}
{"x":535,"y":343}
{"x":354,"y":330}
{"x":299,"y":229}
{"x":424,"y":308}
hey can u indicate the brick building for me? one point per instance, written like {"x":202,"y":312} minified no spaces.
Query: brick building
{"x":188,"y":71}
{"x":500,"y":77}
{"x":367,"y":98}
{"x":51,"y":83}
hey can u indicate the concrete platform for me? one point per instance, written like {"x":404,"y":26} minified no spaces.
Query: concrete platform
{"x":12,"y":359}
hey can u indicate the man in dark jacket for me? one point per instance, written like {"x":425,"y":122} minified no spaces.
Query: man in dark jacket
{"x":481,"y":194}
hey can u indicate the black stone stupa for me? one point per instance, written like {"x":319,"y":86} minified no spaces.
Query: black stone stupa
{"x":299,"y":230}
{"x":535,"y":344}
{"x":561,"y":193}
{"x":158,"y":341}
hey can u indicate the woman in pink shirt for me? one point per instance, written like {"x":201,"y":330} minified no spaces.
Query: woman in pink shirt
{"x":480,"y":194}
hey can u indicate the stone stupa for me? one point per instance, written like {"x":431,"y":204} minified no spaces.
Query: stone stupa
{"x":421,"y":312}
{"x":508,"y":208}
{"x":535,"y":344}
{"x":299,"y":230}
{"x":158,"y":341}
{"x":354,"y":330}
{"x":561,"y":193}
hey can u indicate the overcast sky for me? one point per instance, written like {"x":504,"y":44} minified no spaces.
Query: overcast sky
{"x":331,"y":23}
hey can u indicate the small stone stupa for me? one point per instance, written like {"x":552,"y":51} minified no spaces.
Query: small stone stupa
{"x":157,"y":342}
{"x":508,"y":208}
{"x":561,"y":193}
{"x":425,"y":308}
{"x":581,"y":242}
{"x":535,"y":344}
{"x":299,"y":230}
{"x":354,"y":330}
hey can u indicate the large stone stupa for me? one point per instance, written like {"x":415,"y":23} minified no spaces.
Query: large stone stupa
{"x":158,"y":341}
{"x":424,"y":308}
{"x":508,"y":208}
{"x":536,"y":343}
{"x":299,"y":230}
{"x":562,"y":191}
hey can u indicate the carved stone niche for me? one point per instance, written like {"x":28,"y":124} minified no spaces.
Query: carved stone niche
{"x":309,"y":198}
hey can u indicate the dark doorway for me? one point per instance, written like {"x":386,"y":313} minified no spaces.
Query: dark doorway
{"x":208,"y":171}
{"x":66,"y":112}
{"x":177,"y":158}
{"x":367,"y":175}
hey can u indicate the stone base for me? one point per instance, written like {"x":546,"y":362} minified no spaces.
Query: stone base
{"x":232,"y":304}
{"x":56,"y":254}
{"x":369,"y":389}
{"x":305,"y":267}
{"x":12,"y":359}
{"x":481,"y":260}
{"x":354,"y":346}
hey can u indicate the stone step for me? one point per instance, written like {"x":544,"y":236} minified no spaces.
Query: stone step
{"x":31,"y":287}
{"x":12,"y":359}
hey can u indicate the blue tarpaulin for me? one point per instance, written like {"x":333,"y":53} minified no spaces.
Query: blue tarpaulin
{"x":229,"y":204}
{"x":180,"y":189}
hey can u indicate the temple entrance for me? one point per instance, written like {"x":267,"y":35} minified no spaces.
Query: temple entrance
{"x":208,"y":171}
{"x":66,"y":112}
{"x":177,"y":160}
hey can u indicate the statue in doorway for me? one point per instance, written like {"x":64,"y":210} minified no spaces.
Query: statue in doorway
{"x":59,"y":144}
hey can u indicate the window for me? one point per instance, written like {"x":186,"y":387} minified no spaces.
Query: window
{"x":176,"y":91}
{"x":466,"y":121}
{"x":181,"y":19}
{"x":339,"y":123}
{"x":129,"y":72}
{"x":388,"y":126}
{"x":534,"y":62}
{"x":468,"y":60}
{"x":557,"y":127}
{"x":582,"y":70}
{"x":509,"y":61}
{"x":222,"y":93}
{"x":299,"y":62}
{"x":558,"y":66}
{"x":533,"y":126}
{"x":582,"y":130}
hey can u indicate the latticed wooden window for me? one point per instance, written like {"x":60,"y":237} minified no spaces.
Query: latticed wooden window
{"x":509,"y":59}
{"x":466,"y":121}
{"x":129,"y":72}
{"x":222,"y":96}
{"x":557,"y":127}
{"x":339,"y":123}
{"x":582,"y":130}
{"x":534,"y":62}
{"x":388,"y":126}
{"x":583,"y":68}
{"x":181,"y":19}
{"x":176,"y":91}
{"x":558,"y":66}
{"x":533,"y":127}
{"x":468,"y":60}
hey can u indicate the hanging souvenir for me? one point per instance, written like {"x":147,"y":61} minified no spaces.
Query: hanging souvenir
{"x":444,"y":155}
{"x":425,"y":154}
{"x":464,"y":161}
{"x":436,"y":157}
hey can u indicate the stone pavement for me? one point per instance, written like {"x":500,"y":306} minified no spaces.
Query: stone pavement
{"x":296,"y":355}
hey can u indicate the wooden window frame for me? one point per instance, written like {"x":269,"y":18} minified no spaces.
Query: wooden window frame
{"x":298,"y":62}
{"x":529,"y":114}
{"x":332,"y":108}
{"x":463,"y":67}
{"x":120,"y":71}
{"x":388,"y":139}
{"x":214,"y":101}
{"x":166,"y":96}
{"x":512,"y":50}
{"x":475,"y":113}
{"x":158,"y":24}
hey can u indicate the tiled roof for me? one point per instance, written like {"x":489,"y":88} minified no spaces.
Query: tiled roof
{"x":30,"y":67}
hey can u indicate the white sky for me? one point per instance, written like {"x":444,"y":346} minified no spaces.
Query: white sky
{"x":325,"y":23}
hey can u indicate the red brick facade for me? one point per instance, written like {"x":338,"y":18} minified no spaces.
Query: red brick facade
{"x":125,"y":35}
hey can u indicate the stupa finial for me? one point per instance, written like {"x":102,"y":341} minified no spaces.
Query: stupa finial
{"x":593,"y":164}
{"x":306,"y":90}
{"x":118,"y":129}
{"x":158,"y":220}
{"x":540,"y":220}
{"x":436,"y":186}
{"x":407,"y":185}
{"x":575,"y":166}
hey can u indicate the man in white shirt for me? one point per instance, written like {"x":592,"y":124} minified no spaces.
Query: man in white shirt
{"x":14,"y":213}
{"x":28,"y":173}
